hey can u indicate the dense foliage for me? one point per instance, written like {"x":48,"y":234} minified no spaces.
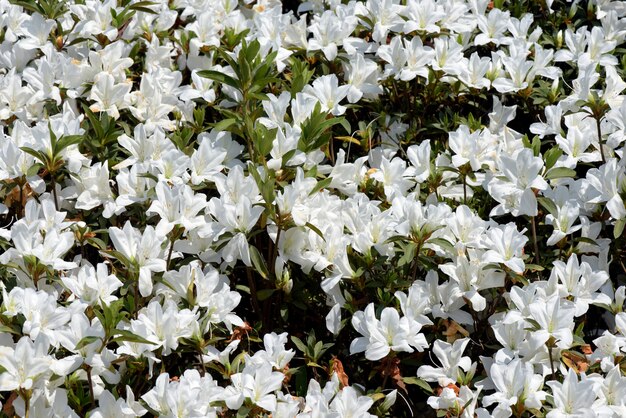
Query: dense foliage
{"x":222,"y":208}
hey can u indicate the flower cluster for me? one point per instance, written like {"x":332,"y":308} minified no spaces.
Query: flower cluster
{"x":395,"y":208}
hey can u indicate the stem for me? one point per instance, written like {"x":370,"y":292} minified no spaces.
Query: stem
{"x":176,"y":233}
{"x":22,"y":209}
{"x":169,"y":253}
{"x":551,"y":362}
{"x":89,"y":381}
{"x":534,"y":231}
{"x":599,"y":130}
{"x":202,"y":363}
{"x":252,"y":286}
{"x":25,"y":394}
{"x":54,"y":191}
{"x":136,"y":294}
{"x":275,"y":252}
{"x":415,"y":261}
{"x":464,"y":190}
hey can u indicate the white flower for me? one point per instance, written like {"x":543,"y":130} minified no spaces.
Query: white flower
{"x":452,"y":363}
{"x":572,"y":398}
{"x":389,"y":333}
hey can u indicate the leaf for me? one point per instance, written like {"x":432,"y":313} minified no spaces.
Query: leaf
{"x":66,"y":141}
{"x":251,"y":51}
{"x":263,"y":294}
{"x":224,"y":124}
{"x":299,"y":344}
{"x":410,"y":380}
{"x":551,"y":156}
{"x":243,"y":288}
{"x":535,"y":325}
{"x":453,"y":330}
{"x":618,"y":229}
{"x":377,"y":396}
{"x":447,"y":245}
{"x":4,"y":328}
{"x":559,"y":172}
{"x":534,"y":267}
{"x":143,"y":6}
{"x":220,"y":78}
{"x":548,"y":204}
{"x":536,"y":145}
{"x":336,"y":366}
{"x":264,"y":139}
{"x":575,"y":361}
{"x":315,"y":229}
{"x":240,"y":332}
{"x":587,"y":240}
{"x":37,"y":154}
{"x":314,"y":364}
{"x":259,"y":262}
{"x":348,"y":139}
{"x":409,"y":254}
{"x":125,"y":335}
{"x":321,"y":185}
{"x":86,"y":341}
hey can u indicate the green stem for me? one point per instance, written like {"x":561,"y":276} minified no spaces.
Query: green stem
{"x":169,"y":253}
{"x":464,"y":189}
{"x":25,"y":394}
{"x":416,"y":262}
{"x":54,"y":191}
{"x":252,"y":286}
{"x":551,"y":362}
{"x":599,"y":130}
{"x":275,"y":252}
{"x":90,"y":383}
{"x":22,"y":206}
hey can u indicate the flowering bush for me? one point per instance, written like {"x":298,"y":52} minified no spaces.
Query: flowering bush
{"x":325,"y":209}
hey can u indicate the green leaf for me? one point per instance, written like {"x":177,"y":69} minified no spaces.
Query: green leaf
{"x":37,"y":154}
{"x":321,"y":185}
{"x":536,"y":146}
{"x":535,"y":325}
{"x":548,"y":205}
{"x":259,"y":262}
{"x":243,"y":288}
{"x":143,"y":6}
{"x":86,"y":341}
{"x":618,"y":229}
{"x":251,"y":51}
{"x":313,"y":364}
{"x":287,"y":156}
{"x":224,"y":124}
{"x":299,"y":344}
{"x":220,"y":78}
{"x":447,"y":245}
{"x":264,"y":139}
{"x":410,"y":380}
{"x":534,"y":267}
{"x":4,"y":328}
{"x":66,"y":141}
{"x":551,"y":156}
{"x":125,"y":335}
{"x":586,"y":240}
{"x":559,"y":172}
{"x":263,"y":294}
{"x":97,"y":242}
{"x":315,"y":229}
{"x":409,"y":254}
